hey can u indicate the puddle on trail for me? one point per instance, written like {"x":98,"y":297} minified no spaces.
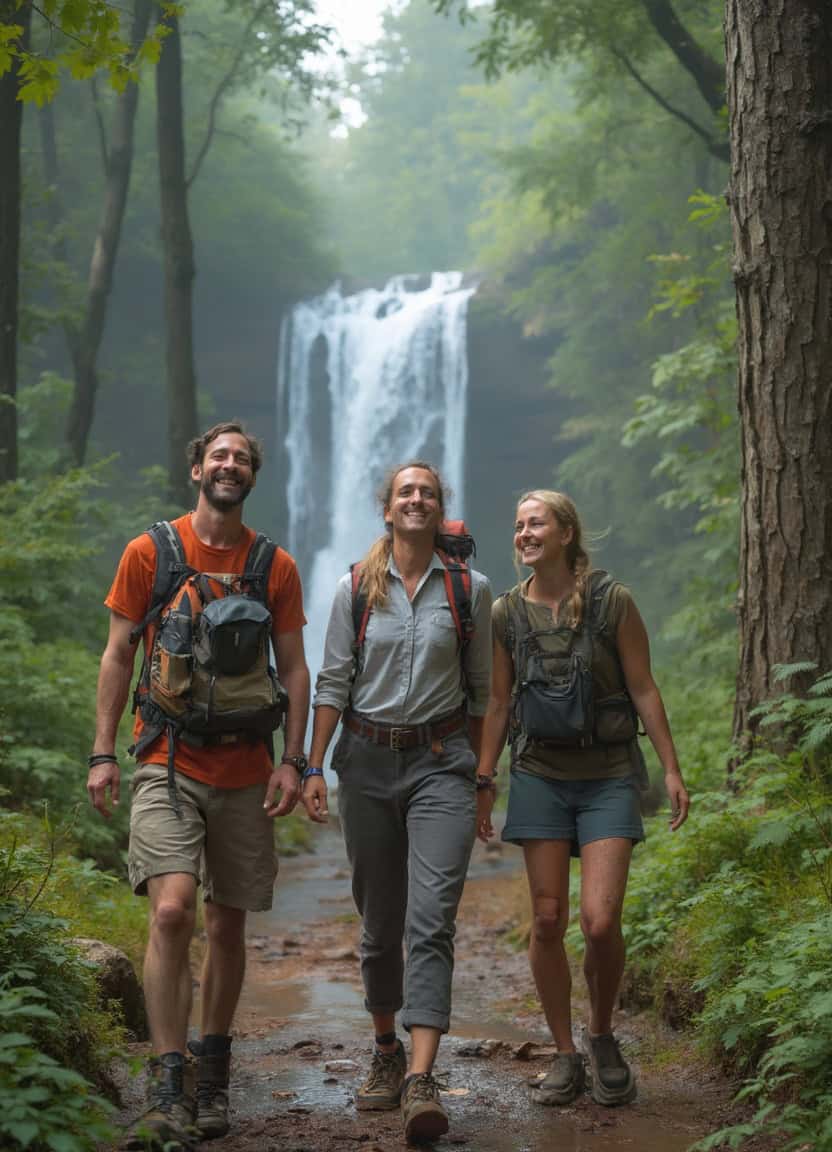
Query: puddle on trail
{"x":317,"y":1017}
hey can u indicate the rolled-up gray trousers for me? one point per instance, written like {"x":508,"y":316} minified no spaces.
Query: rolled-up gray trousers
{"x":409,"y":821}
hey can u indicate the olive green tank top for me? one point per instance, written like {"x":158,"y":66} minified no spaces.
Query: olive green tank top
{"x":598,"y":761}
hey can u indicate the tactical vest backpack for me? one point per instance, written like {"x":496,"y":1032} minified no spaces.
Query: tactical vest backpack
{"x":554,"y":699}
{"x":454,"y":545}
{"x":207,"y":677}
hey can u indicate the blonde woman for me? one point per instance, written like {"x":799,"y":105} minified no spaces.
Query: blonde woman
{"x":571,"y":680}
{"x":411,"y":696}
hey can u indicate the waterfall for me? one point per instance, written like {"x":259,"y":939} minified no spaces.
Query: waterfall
{"x":364,"y":382}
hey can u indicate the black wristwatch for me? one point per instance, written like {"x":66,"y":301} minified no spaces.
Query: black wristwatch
{"x":297,"y":762}
{"x":486,"y":784}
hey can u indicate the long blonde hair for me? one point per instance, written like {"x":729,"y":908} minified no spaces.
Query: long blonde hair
{"x":374,"y":565}
{"x":577,"y":556}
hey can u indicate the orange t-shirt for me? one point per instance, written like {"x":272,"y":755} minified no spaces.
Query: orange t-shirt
{"x":223,"y":765}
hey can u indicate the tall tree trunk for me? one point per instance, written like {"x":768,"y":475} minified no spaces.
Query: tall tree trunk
{"x":85,"y":347}
{"x":779,"y":66}
{"x":11,"y":122}
{"x":177,"y":244}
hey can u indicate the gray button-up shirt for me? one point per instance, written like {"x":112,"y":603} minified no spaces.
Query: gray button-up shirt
{"x":412,"y":668}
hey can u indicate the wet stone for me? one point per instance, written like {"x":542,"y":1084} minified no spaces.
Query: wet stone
{"x":480,"y":1049}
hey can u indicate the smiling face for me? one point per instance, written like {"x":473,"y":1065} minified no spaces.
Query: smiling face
{"x":415,"y":504}
{"x":225,"y":476}
{"x":539,"y":537}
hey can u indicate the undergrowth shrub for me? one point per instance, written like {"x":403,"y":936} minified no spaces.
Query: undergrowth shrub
{"x":737,"y":907}
{"x":55,"y":1039}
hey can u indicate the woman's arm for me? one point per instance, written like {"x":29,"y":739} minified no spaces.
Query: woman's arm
{"x":634,"y":653}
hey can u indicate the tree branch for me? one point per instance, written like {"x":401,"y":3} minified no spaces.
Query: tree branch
{"x":221,"y":89}
{"x":718,"y":148}
{"x":708,"y":73}
{"x":99,"y":119}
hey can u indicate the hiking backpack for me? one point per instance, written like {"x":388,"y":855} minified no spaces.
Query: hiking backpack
{"x":207,"y":677}
{"x":454,"y":545}
{"x":554,"y":700}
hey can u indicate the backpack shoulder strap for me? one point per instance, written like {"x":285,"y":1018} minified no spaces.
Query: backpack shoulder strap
{"x":360,"y":616}
{"x":458,"y":591}
{"x":258,"y":566}
{"x":172,"y":570}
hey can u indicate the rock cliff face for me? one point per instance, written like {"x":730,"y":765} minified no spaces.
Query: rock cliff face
{"x":513,"y":422}
{"x":512,"y":426}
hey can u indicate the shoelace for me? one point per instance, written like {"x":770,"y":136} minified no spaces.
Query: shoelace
{"x":424,"y":1088}
{"x":383,"y":1064}
{"x":167,"y":1090}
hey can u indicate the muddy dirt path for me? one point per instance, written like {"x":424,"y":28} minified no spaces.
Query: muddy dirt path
{"x":302,"y":1040}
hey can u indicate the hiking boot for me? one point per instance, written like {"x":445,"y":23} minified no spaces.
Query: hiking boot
{"x":382,"y":1089}
{"x":166,"y":1125}
{"x":613,"y":1081}
{"x":563,"y":1082}
{"x":212,"y":1071}
{"x":423,"y":1115}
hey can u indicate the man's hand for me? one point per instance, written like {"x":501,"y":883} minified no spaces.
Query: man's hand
{"x":315,"y":799}
{"x":100,"y":778}
{"x":286,"y":780}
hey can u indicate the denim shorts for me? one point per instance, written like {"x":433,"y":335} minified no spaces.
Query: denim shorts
{"x":577,"y":810}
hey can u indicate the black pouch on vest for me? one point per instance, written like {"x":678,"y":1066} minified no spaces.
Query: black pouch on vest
{"x":558,"y":711}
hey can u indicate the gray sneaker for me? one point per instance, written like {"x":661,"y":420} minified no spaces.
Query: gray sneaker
{"x":564,"y":1081}
{"x":423,"y":1115}
{"x":613,"y":1081}
{"x":382,"y":1089}
{"x":166,"y":1125}
{"x":212,"y":1074}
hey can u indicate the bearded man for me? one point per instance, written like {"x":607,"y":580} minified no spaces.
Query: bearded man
{"x":206,"y":789}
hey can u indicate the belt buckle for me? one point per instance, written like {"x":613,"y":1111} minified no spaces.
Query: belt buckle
{"x":396,"y":736}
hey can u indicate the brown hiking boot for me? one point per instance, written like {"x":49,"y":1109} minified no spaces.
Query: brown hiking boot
{"x":564,"y":1081}
{"x":166,"y":1125}
{"x":382,"y":1089}
{"x":613,"y":1081}
{"x":212,"y":1074}
{"x":424,"y":1117}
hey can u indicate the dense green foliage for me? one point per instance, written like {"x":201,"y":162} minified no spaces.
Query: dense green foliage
{"x":55,"y":1039}
{"x":734,"y":919}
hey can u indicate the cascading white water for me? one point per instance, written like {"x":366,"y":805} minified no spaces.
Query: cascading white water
{"x":365,"y":382}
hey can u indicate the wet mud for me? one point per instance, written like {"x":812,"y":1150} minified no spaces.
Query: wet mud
{"x":302,"y":1038}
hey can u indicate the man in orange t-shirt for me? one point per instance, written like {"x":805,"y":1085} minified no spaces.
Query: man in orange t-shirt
{"x":227,"y":796}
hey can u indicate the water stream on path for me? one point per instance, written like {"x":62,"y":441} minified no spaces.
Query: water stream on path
{"x":489,"y":1100}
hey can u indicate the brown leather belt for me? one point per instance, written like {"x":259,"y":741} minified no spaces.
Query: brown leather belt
{"x":400,"y":739}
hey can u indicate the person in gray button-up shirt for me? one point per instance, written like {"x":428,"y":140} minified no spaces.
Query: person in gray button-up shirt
{"x":411,"y":703}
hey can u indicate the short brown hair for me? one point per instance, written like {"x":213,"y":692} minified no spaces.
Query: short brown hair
{"x":197,"y":447}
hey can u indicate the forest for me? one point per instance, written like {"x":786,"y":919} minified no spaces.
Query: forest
{"x":642,"y":190}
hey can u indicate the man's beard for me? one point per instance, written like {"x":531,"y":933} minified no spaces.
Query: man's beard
{"x":219,"y":498}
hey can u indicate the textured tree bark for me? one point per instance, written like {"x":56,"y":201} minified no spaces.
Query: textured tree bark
{"x":779,"y":71}
{"x":178,"y":248}
{"x":11,"y":121}
{"x":85,"y":346}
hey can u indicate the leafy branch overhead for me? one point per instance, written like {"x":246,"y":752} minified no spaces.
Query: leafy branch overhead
{"x":79,"y":37}
{"x":613,"y":36}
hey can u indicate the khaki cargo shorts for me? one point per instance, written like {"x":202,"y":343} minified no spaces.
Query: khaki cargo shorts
{"x":224,"y":838}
